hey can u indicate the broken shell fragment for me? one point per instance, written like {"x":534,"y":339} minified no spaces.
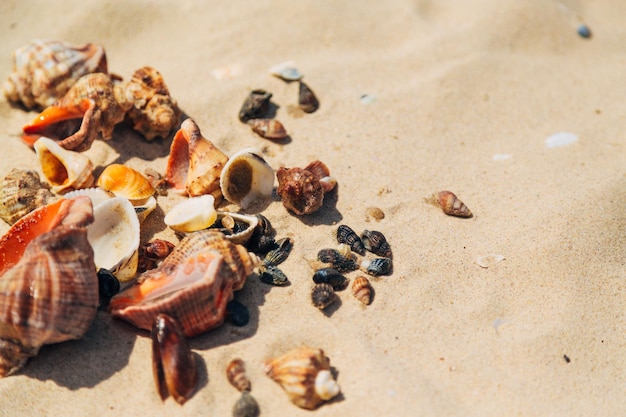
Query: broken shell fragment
{"x":173,"y":363}
{"x":304,"y":374}
{"x":346,"y":235}
{"x":452,"y":205}
{"x":306,"y":99}
{"x":236,"y":375}
{"x":489,"y":260}
{"x":21,"y":192}
{"x":286,"y":71}
{"x":268,"y":128}
{"x":246,"y":178}
{"x":63,"y":169}
{"x":362,"y":290}
{"x":125,"y":182}
{"x":256,"y":105}
{"x":376,"y":243}
{"x":376,"y":267}
{"x":323,"y":295}
{"x":195,"y":213}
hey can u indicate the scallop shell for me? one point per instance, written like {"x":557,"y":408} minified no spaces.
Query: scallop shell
{"x":247,"y":178}
{"x":21,"y":192}
{"x":194,"y":164}
{"x":48,"y":284}
{"x":88,"y":111}
{"x":304,"y":373}
{"x":256,"y":105}
{"x":242,"y":228}
{"x":125,"y":182}
{"x":64,"y":170}
{"x":452,"y":205}
{"x":195,"y":213}
{"x":268,"y":128}
{"x":307,"y":100}
{"x":362,"y":290}
{"x":154,"y":112}
{"x":114,"y":236}
{"x":192,"y":285}
{"x":44,"y":70}
{"x":236,"y":375}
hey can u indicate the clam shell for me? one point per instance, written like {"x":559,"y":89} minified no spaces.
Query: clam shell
{"x":193,"y":284}
{"x":242,"y":228}
{"x":114,"y":236}
{"x":48,"y":282}
{"x":247,"y":178}
{"x":125,"y":182}
{"x":268,"y":128}
{"x":44,"y":70}
{"x":21,"y":192}
{"x":195,"y":213}
{"x":64,"y":170}
{"x":194,"y":164}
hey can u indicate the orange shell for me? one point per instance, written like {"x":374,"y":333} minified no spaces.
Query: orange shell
{"x":125,"y":182}
{"x":452,"y":205}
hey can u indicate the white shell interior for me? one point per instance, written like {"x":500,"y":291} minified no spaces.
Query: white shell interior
{"x":325,"y":385}
{"x":261,"y":174}
{"x":195,"y":213}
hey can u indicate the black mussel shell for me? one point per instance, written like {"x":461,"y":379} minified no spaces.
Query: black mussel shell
{"x":278,"y":255}
{"x":348,"y":236}
{"x":237,"y":313}
{"x":332,"y":277}
{"x":108,"y":286}
{"x":246,"y":406}
{"x":273,"y":276}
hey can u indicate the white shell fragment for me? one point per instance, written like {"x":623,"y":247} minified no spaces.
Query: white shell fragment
{"x":246,"y":178}
{"x":561,"y":139}
{"x":286,"y":71}
{"x":325,"y":385}
{"x":489,"y":260}
{"x":193,"y":214}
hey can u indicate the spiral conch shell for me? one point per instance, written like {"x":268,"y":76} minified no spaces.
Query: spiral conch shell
{"x":21,"y":192}
{"x":48,"y":281}
{"x":64,"y":170}
{"x":192,"y":285}
{"x":304,"y":373}
{"x":44,"y":70}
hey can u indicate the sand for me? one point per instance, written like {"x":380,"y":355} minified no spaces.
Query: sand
{"x":459,"y":96}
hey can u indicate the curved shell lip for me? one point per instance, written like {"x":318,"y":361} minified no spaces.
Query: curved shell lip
{"x":64,"y":170}
{"x":193,"y":214}
{"x":243,"y":236}
{"x":247,"y":178}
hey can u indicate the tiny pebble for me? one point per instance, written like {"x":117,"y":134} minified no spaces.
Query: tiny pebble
{"x":584,"y":31}
{"x":375,"y":213}
{"x":367,"y":99}
{"x":561,"y":139}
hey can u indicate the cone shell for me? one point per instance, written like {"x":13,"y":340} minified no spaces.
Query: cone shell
{"x":195,"y":213}
{"x":194,"y":164}
{"x":154,"y":112}
{"x":64,"y":170}
{"x":362,"y":290}
{"x":452,"y":205}
{"x":247,"y":178}
{"x":44,"y":70}
{"x":48,"y":282}
{"x":21,"y":192}
{"x":236,"y":375}
{"x":304,"y":374}
{"x":192,"y":285}
{"x":125,"y":182}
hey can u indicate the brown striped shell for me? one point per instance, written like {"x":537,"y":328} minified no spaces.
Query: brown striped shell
{"x":362,"y":290}
{"x":452,"y":205}
{"x":192,"y":285}
{"x":236,"y":375}
{"x":21,"y":192}
{"x":268,"y":128}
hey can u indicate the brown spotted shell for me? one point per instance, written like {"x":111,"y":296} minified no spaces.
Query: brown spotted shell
{"x":44,"y":70}
{"x":192,"y":285}
{"x":21,"y":192}
{"x":452,"y":205}
{"x":299,"y":190}
{"x":268,"y":128}
{"x":154,"y":112}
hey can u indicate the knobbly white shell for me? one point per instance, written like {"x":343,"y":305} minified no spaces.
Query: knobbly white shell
{"x":114,"y":236}
{"x":246,"y":178}
{"x":195,"y":213}
{"x":64,"y":170}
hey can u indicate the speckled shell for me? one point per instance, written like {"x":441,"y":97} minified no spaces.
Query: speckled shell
{"x":304,"y":374}
{"x":299,"y":190}
{"x":194,"y":165}
{"x":44,"y":70}
{"x":48,"y":281}
{"x":123,"y":181}
{"x":268,"y":128}
{"x":154,"y":112}
{"x":362,"y":290}
{"x":64,"y":170}
{"x":236,"y":375}
{"x":192,"y":285}
{"x":452,"y":206}
{"x":323,"y":295}
{"x":21,"y":192}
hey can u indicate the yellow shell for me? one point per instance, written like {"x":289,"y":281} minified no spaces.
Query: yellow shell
{"x":20,"y":193}
{"x":125,"y":182}
{"x":64,"y":170}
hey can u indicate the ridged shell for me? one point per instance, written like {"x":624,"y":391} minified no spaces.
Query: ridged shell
{"x":338,"y":261}
{"x":195,"y":213}
{"x":194,"y":165}
{"x":48,"y":282}
{"x":346,"y":235}
{"x":154,"y":112}
{"x":452,"y":205}
{"x":280,"y":253}
{"x":304,"y":374}
{"x":299,"y":190}
{"x":376,"y":243}
{"x":273,"y":275}
{"x":64,"y":170}
{"x":123,"y":181}
{"x":323,"y":295}
{"x":362,"y":290}
{"x":236,"y":375}
{"x":192,"y":285}
{"x":247,"y":178}
{"x":268,"y":128}
{"x":21,"y":192}
{"x":377,"y":266}
{"x":44,"y":70}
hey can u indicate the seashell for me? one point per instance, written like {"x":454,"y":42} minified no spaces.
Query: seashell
{"x":246,"y":406}
{"x":330,"y":276}
{"x":158,"y":182}
{"x":487,"y":261}
{"x":48,"y":282}
{"x":338,"y":261}
{"x":108,"y":286}
{"x":256,"y":105}
{"x":125,"y":182}
{"x":323,"y":295}
{"x":268,"y":128}
{"x":238,"y":228}
{"x":346,"y":235}
{"x":173,"y":363}
{"x":272,"y":275}
{"x":195,"y":164}
{"x":88,"y":111}
{"x":306,"y":99}
{"x":195,"y":213}
{"x":262,"y":239}
{"x":376,"y":243}
{"x":154,"y":112}
{"x":452,"y":206}
{"x":64,"y":170}
{"x":143,"y":208}
{"x":192,"y":285}
{"x":236,"y":375}
{"x":304,"y":373}
{"x":152,"y":253}
{"x":247,"y":178}
{"x":322,"y":173}
{"x":96,"y":195}
{"x":375,"y":213}
{"x":378,"y":266}
{"x":114,"y":236}
{"x":362,"y":290}
{"x":286,"y":71}
{"x":237,"y":313}
{"x":299,"y":190}
{"x":21,"y":192}
{"x":278,"y":255}
{"x":44,"y":70}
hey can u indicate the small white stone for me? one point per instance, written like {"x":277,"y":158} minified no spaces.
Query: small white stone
{"x":561,"y":139}
{"x":502,"y":156}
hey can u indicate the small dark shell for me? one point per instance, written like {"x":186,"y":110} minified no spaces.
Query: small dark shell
{"x":236,"y":374}
{"x":268,"y":128}
{"x":108,"y":286}
{"x":278,"y":255}
{"x":152,"y":253}
{"x":323,"y":295}
{"x":246,"y":406}
{"x":378,"y":266}
{"x":346,"y":235}
{"x":306,"y":99}
{"x":273,"y":276}
{"x":362,"y":290}
{"x":262,"y":239}
{"x":338,"y":261}
{"x":330,"y":276}
{"x":300,"y":191}
{"x":237,"y":313}
{"x":376,"y":243}
{"x":256,"y":105}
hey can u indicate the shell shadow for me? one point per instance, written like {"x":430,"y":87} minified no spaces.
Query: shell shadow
{"x":328,"y":214}
{"x":128,"y":144}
